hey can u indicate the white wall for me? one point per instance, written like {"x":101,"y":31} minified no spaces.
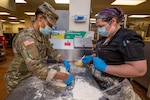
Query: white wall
{"x":79,"y":7}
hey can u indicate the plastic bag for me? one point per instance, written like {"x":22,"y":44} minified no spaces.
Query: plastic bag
{"x":122,"y":91}
{"x":112,"y":88}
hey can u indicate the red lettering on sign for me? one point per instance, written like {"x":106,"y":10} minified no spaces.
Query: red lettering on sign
{"x":67,"y":43}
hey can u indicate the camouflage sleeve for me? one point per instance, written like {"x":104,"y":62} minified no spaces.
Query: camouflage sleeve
{"x":51,"y":52}
{"x":29,"y":52}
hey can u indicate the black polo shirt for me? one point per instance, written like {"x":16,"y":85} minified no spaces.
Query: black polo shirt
{"x":125,"y":45}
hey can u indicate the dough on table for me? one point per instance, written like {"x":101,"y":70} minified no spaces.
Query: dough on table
{"x":60,"y":84}
{"x":78,"y":63}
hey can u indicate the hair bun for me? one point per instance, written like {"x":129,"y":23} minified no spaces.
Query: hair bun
{"x":121,"y":14}
{"x":111,"y":12}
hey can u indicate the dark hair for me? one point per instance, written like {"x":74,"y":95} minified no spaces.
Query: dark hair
{"x":38,"y":11}
{"x":108,"y":13}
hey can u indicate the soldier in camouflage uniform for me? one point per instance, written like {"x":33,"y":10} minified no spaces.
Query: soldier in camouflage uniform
{"x":31,"y":47}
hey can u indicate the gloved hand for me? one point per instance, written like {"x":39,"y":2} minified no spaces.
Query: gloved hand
{"x":99,"y":64}
{"x":69,"y":80}
{"x":66,"y":64}
{"x":87,"y":59}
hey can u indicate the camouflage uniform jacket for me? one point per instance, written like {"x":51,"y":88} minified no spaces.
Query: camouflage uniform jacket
{"x":30,"y":49}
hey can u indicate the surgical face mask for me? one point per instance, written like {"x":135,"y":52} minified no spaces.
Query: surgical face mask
{"x":46,"y":30}
{"x":102,"y":31}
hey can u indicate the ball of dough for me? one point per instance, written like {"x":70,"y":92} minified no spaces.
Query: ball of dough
{"x":78,"y":63}
{"x":60,"y":84}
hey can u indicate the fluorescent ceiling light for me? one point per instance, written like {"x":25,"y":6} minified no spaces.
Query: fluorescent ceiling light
{"x":139,"y":16}
{"x":20,"y":1}
{"x":12,"y":17}
{"x":22,"y":21}
{"x":14,"y":22}
{"x":3,"y":20}
{"x":127,"y":2}
{"x":96,"y":15}
{"x":4,"y":13}
{"x":62,"y":1}
{"x":92,"y":20}
{"x":30,"y":13}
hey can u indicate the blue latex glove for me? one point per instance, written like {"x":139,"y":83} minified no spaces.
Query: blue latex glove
{"x":66,"y":64}
{"x":69,"y":80}
{"x":87,"y":59}
{"x":99,"y":64}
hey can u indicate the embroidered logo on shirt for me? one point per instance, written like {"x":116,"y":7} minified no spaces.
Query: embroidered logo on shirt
{"x":28,"y":42}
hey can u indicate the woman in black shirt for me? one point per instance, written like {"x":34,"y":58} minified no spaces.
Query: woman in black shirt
{"x":119,"y":55}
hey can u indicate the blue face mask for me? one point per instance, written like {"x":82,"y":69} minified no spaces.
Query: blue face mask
{"x":46,"y":30}
{"x":102,"y":31}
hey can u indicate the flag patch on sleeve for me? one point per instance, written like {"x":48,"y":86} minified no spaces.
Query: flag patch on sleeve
{"x":28,"y":42}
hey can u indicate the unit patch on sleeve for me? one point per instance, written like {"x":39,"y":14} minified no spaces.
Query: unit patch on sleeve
{"x":28,"y":42}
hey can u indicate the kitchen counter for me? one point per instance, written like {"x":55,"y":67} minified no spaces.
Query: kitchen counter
{"x":82,"y":88}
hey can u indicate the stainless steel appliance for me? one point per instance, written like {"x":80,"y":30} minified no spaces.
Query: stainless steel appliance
{"x":73,"y":49}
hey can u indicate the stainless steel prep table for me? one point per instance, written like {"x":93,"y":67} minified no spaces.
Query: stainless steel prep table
{"x":34,"y":89}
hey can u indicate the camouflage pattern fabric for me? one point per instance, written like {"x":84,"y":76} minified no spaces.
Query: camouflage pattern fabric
{"x":49,"y":12}
{"x":30,"y":50}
